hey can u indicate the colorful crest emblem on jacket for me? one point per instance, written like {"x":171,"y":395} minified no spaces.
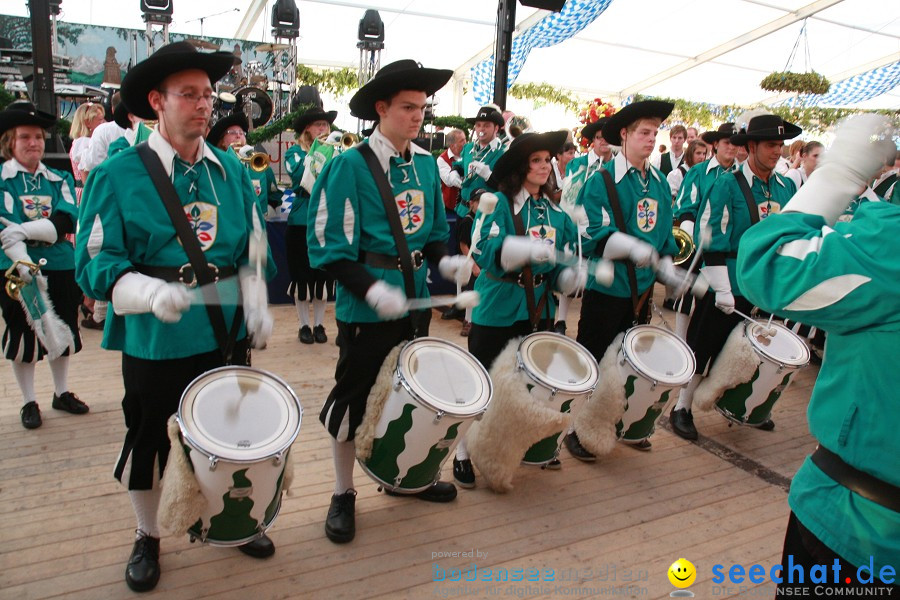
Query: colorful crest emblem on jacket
{"x":257,"y":186}
{"x":544,"y":233}
{"x":203,"y":218}
{"x":768,"y":208}
{"x":411,"y":206}
{"x":36,"y":207}
{"x":647,"y":210}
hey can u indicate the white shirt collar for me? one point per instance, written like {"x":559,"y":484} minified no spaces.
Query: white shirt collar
{"x":493,"y":144}
{"x":521,"y":198}
{"x":870,"y":195}
{"x":12,"y":167}
{"x":621,"y":167}
{"x":167,"y":153}
{"x":384,"y":149}
{"x":592,"y":157}
{"x":749,"y":175}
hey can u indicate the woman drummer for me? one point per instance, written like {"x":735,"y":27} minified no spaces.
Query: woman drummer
{"x":306,"y":282}
{"x":519,"y":240}
{"x":37,"y":213}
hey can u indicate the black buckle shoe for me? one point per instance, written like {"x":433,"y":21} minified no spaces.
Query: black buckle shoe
{"x":463,"y":473}
{"x":643,"y":445}
{"x":319,"y":334}
{"x":70,"y":403}
{"x":31,"y":415}
{"x":142,"y":572}
{"x":577,"y":450}
{"x":440,"y":491}
{"x":767,"y":425}
{"x":306,"y":335}
{"x":261,"y":547}
{"x":340,"y":525}
{"x":682,"y":421}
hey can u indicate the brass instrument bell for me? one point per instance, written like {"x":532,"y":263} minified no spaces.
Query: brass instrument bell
{"x":685,"y":244}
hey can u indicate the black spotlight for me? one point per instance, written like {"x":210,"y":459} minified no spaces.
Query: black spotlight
{"x":371,"y":31}
{"x":285,"y":19}
{"x":156,"y":11}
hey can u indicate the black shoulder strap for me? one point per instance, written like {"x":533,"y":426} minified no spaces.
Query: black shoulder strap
{"x":534,"y":309}
{"x":748,"y":196}
{"x":192,"y":248}
{"x":619,"y":218}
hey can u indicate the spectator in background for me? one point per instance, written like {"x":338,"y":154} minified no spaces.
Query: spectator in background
{"x":451,"y":179}
{"x":692,"y":134}
{"x":808,"y":158}
{"x":669,"y":161}
{"x":102,"y":137}
{"x":87,"y":118}
{"x":695,"y":154}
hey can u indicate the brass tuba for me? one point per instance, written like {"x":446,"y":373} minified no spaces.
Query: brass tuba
{"x":685,"y":244}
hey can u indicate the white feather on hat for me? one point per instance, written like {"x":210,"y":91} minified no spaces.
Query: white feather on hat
{"x":743,"y":121}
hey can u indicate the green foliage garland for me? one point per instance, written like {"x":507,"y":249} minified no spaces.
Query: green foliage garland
{"x":454,"y":121}
{"x":336,"y":81}
{"x":267,"y":132}
{"x":544,"y":92}
{"x":803,"y":83}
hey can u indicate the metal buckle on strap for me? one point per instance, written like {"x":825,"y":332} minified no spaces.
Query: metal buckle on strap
{"x":537,"y":279}
{"x":192,"y":282}
{"x":418,"y":259}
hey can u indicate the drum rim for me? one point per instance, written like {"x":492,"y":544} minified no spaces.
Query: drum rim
{"x":771,"y":358}
{"x":195,"y":444}
{"x":410,"y":386}
{"x":669,"y":381}
{"x":594,"y":376}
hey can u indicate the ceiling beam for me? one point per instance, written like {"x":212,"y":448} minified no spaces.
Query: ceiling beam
{"x":830,"y":21}
{"x":251,"y":16}
{"x":751,"y":36}
{"x":401,"y":11}
{"x":463,"y":69}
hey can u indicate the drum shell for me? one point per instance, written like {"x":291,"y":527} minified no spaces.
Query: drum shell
{"x":751,"y":403}
{"x":243,"y":495}
{"x":646,"y":398}
{"x":564,"y":400}
{"x":415,"y":435}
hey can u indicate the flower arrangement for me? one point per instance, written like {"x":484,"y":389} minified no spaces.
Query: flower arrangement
{"x":595,"y":110}
{"x":802,"y":83}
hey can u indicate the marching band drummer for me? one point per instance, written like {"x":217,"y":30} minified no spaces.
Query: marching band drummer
{"x":38,"y":211}
{"x":128,"y":251}
{"x":481,"y":154}
{"x":306,"y":283}
{"x":735,"y":202}
{"x":632,"y":228}
{"x":516,"y":246}
{"x":351,"y":237}
{"x":231,"y":132}
{"x":844,"y":278}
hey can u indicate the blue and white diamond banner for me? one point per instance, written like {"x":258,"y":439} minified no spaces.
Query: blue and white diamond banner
{"x":853,"y":90}
{"x":549,"y":31}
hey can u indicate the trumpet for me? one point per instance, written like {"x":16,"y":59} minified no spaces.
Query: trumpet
{"x":348,"y":140}
{"x":257,"y":161}
{"x":685,"y":244}
{"x":14,"y":283}
{"x":341,"y":141}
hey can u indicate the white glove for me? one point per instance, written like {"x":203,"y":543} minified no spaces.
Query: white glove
{"x":675,"y":279}
{"x":518,"y":251}
{"x":388,"y":301}
{"x":687,"y":227}
{"x":851,"y":162}
{"x":621,"y":245}
{"x":136,"y":293}
{"x":41,"y":230}
{"x":246,"y":151}
{"x":604,"y":272}
{"x":480,"y":169}
{"x":456,"y":268}
{"x":18,"y":251}
{"x":717,"y":276}
{"x":572,"y":280}
{"x":257,"y":317}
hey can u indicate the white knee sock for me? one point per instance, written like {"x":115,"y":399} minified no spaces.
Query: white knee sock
{"x":681,"y":324}
{"x":468,"y":316}
{"x":686,"y":395}
{"x":318,"y":311}
{"x":563,"y":311}
{"x":302,"y":312}
{"x":344,"y":457}
{"x":146,"y":506}
{"x":462,"y":452}
{"x":100,"y":311}
{"x":59,"y":368}
{"x":24,"y":373}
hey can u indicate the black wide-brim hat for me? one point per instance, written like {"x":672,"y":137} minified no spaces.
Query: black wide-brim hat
{"x":311,"y":116}
{"x":173,"y":58}
{"x":217,"y":131}
{"x":401,"y":75}
{"x":489,"y":114}
{"x":120,"y":116}
{"x":725,"y":130}
{"x":521,"y":148}
{"x":645,"y":109}
{"x":24,"y":113}
{"x":590,"y":130}
{"x":765,"y":128}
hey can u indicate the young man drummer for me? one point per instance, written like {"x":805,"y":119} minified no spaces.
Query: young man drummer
{"x":481,"y":154}
{"x":726,"y":214}
{"x":600,"y":152}
{"x":350,"y":237}
{"x":645,"y":234}
{"x":128,"y":252}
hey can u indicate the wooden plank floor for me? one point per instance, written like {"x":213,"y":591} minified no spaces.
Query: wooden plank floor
{"x":611,"y":528}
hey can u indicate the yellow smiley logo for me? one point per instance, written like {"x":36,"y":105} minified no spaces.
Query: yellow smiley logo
{"x":682,"y":573}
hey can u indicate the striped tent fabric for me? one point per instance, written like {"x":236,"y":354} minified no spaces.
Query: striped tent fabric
{"x":549,"y":31}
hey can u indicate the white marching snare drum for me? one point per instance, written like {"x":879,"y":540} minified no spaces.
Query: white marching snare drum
{"x":438,"y":390}
{"x":781,"y":356}
{"x":237,"y":426}
{"x":654,"y":362}
{"x":565,"y":374}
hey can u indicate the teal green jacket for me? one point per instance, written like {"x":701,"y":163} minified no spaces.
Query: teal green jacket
{"x":696,"y":186}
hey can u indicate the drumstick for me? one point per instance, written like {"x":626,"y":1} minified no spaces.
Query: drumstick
{"x":467,"y":299}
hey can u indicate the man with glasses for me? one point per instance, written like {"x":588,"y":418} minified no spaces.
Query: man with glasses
{"x":127,"y":251}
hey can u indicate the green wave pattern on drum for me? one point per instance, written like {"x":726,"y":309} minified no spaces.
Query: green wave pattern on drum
{"x":629,"y":392}
{"x":388,"y":448}
{"x":545,"y":450}
{"x":235,"y":522}
{"x":734,"y":400}
{"x":645,"y":427}
{"x":428,"y":470}
{"x":762,"y":412}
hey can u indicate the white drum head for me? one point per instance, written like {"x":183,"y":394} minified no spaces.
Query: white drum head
{"x":785,"y":347}
{"x":239,"y":414}
{"x":659,"y":355}
{"x":558,"y":362}
{"x":445,"y":377}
